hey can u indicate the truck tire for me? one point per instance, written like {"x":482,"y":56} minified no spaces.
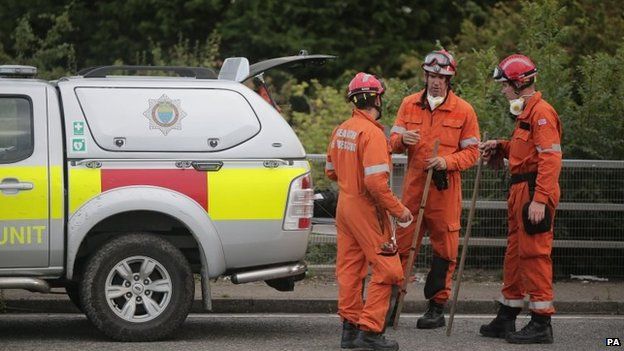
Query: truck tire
{"x":137,"y":287}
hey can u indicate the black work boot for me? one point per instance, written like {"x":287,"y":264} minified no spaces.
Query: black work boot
{"x":505,"y":322}
{"x":349,"y":332}
{"x":433,"y":318}
{"x":367,"y":340}
{"x":538,"y":331}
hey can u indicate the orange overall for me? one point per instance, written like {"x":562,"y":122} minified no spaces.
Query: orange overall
{"x":358,"y":157}
{"x":535,"y":147}
{"x":455,"y":124}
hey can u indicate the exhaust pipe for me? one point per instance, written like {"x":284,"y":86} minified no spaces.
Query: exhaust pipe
{"x":30,"y":284}
{"x":269,"y":273}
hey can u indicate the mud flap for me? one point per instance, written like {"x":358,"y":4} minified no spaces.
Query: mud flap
{"x":436,"y":279}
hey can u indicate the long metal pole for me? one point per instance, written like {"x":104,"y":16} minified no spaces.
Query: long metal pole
{"x":462,"y":261}
{"x":415,"y":242}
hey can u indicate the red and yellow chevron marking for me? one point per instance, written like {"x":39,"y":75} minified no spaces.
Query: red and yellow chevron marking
{"x":186,"y":181}
{"x":229,"y":194}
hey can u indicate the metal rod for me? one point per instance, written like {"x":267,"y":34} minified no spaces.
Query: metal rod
{"x":415,"y":242}
{"x":462,"y":261}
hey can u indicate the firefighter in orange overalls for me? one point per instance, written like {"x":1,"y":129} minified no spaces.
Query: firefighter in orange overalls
{"x":534,"y":154}
{"x":435,"y":113}
{"x":358,"y":157}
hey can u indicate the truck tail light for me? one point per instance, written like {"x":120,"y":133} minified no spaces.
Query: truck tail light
{"x":300,"y":205}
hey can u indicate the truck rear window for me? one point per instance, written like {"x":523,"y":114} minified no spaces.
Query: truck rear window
{"x":16,"y":131}
{"x":167,"y":119}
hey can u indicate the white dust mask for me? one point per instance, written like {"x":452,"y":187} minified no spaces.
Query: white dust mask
{"x":434,"y":102}
{"x":516,"y":106}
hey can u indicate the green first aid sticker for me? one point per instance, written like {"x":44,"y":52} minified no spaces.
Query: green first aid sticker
{"x":78,"y":128}
{"x":79,"y":145}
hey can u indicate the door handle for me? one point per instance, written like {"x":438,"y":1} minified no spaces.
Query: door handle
{"x":11,"y":186}
{"x":210,"y":166}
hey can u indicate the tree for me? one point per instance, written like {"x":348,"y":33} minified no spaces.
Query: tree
{"x":48,"y":51}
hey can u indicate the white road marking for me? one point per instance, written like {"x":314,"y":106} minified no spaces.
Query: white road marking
{"x":301,"y":315}
{"x":406,"y":316}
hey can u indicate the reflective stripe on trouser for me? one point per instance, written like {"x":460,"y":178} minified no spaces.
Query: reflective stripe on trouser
{"x":512,"y":303}
{"x":358,"y":246}
{"x":528,"y":264}
{"x":441,"y":221}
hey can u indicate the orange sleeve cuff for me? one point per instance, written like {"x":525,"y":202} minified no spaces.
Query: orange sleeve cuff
{"x":451,"y":164}
{"x":396,"y":141}
{"x":540,"y":197}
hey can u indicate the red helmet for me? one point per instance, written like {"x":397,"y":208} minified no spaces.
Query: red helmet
{"x":440,"y":62}
{"x":518,"y":69}
{"x":364,"y":83}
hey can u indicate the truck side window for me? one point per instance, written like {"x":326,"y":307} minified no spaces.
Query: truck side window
{"x":16,"y":129}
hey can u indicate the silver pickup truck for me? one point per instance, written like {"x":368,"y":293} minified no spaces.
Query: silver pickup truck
{"x":120,"y":187}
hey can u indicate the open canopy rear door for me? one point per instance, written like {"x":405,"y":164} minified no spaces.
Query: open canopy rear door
{"x":302,"y":59}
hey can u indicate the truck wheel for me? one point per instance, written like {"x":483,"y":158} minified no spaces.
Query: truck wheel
{"x":137,"y":287}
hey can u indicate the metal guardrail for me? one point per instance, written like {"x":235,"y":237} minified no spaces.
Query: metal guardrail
{"x":566,"y":163}
{"x":589,"y":226}
{"x":564,"y":206}
{"x":326,"y":233}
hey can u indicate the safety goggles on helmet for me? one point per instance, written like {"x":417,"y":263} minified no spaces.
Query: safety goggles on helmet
{"x":439,"y":62}
{"x":437,"y":58}
{"x":499,"y":75}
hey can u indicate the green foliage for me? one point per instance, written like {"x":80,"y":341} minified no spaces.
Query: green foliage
{"x":117,"y":30}
{"x":500,"y":29}
{"x":370,"y":37}
{"x":328,"y":109}
{"x":367,"y":36}
{"x":321,"y":254}
{"x":571,"y":53}
{"x":475,"y":85}
{"x":545,"y":36}
{"x":396,"y":90}
{"x":598,"y":127}
{"x":49,"y":51}
{"x":198,"y":54}
{"x":576,"y":45}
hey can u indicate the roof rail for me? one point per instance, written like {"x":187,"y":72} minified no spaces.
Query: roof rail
{"x":195,"y":72}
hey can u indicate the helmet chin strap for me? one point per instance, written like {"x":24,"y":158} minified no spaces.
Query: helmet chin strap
{"x":378,"y":105}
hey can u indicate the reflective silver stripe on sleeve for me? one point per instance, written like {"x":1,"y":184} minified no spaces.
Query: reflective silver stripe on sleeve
{"x":329,"y":166}
{"x":540,"y":305}
{"x":376,"y":169}
{"x":397,"y":129}
{"x":468,"y":141}
{"x":511,"y":303}
{"x":553,"y":148}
